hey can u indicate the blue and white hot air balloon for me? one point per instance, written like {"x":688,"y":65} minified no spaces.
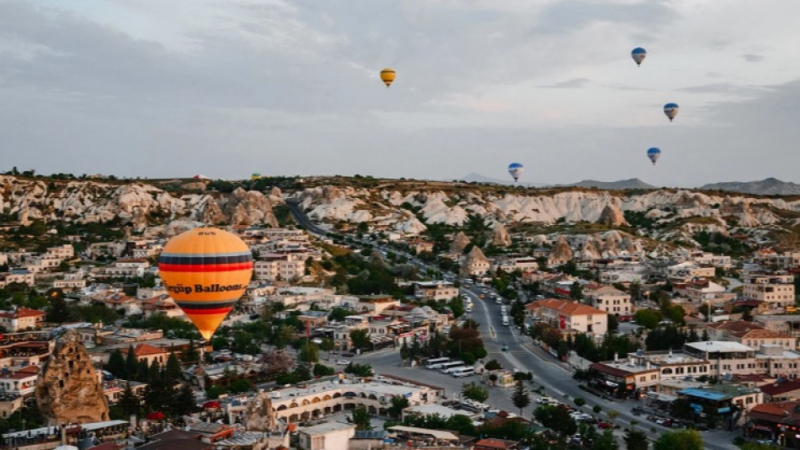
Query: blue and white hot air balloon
{"x":654,"y":153}
{"x":639,"y":54}
{"x":671,"y":110}
{"x":515,"y":169}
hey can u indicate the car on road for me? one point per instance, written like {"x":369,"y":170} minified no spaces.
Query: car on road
{"x":505,"y":347}
{"x":604,"y":425}
{"x":342,"y":362}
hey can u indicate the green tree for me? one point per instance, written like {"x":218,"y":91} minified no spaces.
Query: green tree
{"x":636,"y":440}
{"x":359,"y":370}
{"x":399,"y":403}
{"x":191,"y":354}
{"x":184,"y":401}
{"x":131,"y":365}
{"x":128,"y":401}
{"x":461,"y":424}
{"x":520,"y":397}
{"x":576,"y":291}
{"x":327,"y":345}
{"x":606,"y":441}
{"x":360,"y":338}
{"x":457,"y":307}
{"x":557,"y":419}
{"x":679,"y":440}
{"x":493,"y":365}
{"x":338,"y":314}
{"x":475,"y":392}
{"x":283,"y":337}
{"x":116,"y":364}
{"x":648,"y":318}
{"x":613,"y":323}
{"x":174,"y":372}
{"x":309,"y":353}
{"x":321,"y":370}
{"x":58,"y":311}
{"x":360,"y":418}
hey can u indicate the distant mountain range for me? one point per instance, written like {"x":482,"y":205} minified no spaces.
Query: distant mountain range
{"x":478,"y":178}
{"x":769,"y":186}
{"x":633,"y":183}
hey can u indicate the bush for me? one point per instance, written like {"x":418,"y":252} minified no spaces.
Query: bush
{"x":580,"y":401}
{"x":597,"y":409}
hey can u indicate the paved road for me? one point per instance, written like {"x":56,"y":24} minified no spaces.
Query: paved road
{"x":522,"y":355}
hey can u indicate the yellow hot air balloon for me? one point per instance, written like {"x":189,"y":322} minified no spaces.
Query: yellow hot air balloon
{"x":206,"y":270}
{"x":387,"y":76}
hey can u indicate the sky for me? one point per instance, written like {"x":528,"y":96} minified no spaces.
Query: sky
{"x":224,"y":88}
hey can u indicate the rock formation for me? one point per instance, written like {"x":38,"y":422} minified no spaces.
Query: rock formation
{"x":259,"y":415}
{"x":249,"y":208}
{"x":612,"y":216}
{"x":69,"y":389}
{"x":589,"y":252}
{"x":561,"y":252}
{"x":460,"y":242}
{"x":610,"y":246}
{"x":474,"y":263}
{"x":500,"y":237}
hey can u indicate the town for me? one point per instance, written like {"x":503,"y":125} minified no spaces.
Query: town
{"x":369,"y":334}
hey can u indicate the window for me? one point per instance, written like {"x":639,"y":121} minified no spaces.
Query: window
{"x":318,"y":443}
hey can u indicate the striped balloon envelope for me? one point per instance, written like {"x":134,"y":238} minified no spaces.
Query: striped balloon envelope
{"x":206,"y":271}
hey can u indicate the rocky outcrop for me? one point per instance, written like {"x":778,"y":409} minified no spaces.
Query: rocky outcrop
{"x":460,"y":242}
{"x":475,"y":263}
{"x":612,"y":216}
{"x":589,"y":252}
{"x":259,"y":415}
{"x":561,"y":253}
{"x":500,"y":237}
{"x":68,"y":389}
{"x":249,"y":208}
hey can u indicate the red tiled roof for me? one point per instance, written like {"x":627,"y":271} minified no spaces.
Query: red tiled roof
{"x":495,"y":444}
{"x":22,"y":312}
{"x":780,"y":388}
{"x":145,"y":350}
{"x":566,"y":307}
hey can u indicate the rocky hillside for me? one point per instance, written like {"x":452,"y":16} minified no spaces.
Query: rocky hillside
{"x":633,"y":183}
{"x":137,"y":203}
{"x":660,"y":214}
{"x":769,"y":186}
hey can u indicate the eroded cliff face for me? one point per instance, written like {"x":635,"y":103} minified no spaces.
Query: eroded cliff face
{"x":139,"y":204}
{"x":69,"y":389}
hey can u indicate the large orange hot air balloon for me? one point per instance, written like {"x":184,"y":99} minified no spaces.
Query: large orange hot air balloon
{"x":387,"y":76}
{"x":206,"y":270}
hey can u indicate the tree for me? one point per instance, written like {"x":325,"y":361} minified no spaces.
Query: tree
{"x":308,"y":353}
{"x":360,"y":418}
{"x":457,"y":307}
{"x":359,"y":370}
{"x":173,"y":371}
{"x":58,"y":311}
{"x":191,"y":355}
{"x":606,"y":441}
{"x":520,"y":397}
{"x":327,"y":345}
{"x":613,"y":414}
{"x":116,"y":364}
{"x":131,"y":365}
{"x":128,"y":402}
{"x":399,"y":403}
{"x":557,"y":419}
{"x":705,"y":336}
{"x":338,"y":314}
{"x":648,"y":318}
{"x":613,"y":323}
{"x":679,"y":440}
{"x":493,"y":365}
{"x":184,"y":402}
{"x":360,"y":338}
{"x":576,"y":291}
{"x":475,"y":392}
{"x":321,"y":370}
{"x":636,"y":440}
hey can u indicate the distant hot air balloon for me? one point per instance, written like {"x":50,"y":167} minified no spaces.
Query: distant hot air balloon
{"x":654,"y":153}
{"x":639,"y":54}
{"x":387,"y":76}
{"x":206,"y":270}
{"x":671,"y":110}
{"x":255,"y":176}
{"x":516,"y":169}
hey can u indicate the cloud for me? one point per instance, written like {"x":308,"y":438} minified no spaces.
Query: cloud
{"x":753,"y":58}
{"x":569,"y":84}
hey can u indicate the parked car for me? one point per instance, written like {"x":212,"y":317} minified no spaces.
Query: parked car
{"x":604,"y":425}
{"x":342,"y":362}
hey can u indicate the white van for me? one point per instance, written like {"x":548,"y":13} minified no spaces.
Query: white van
{"x":463,"y":372}
{"x":436,"y":363}
{"x":505,"y":320}
{"x":451,"y":366}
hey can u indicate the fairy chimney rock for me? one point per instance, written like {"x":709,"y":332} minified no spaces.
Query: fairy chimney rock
{"x":561,"y":253}
{"x":69,"y":388}
{"x":460,"y":242}
{"x":500,"y":237}
{"x":612,"y":216}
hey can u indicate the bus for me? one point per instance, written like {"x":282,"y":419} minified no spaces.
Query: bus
{"x":449,"y":366}
{"x":436,"y":363}
{"x":463,"y":372}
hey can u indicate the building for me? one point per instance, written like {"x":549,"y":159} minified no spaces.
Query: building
{"x":21,"y":382}
{"x":776,"y":290}
{"x":71,"y":281}
{"x":127,"y":268}
{"x":474,"y":263}
{"x":778,"y":422}
{"x":495,"y":444}
{"x":781,"y":391}
{"x":570,"y":316}
{"x":327,"y":436}
{"x":702,"y":291}
{"x":148,"y":353}
{"x":16,"y":276}
{"x":514,"y":264}
{"x":686,"y":271}
{"x":435,"y":290}
{"x":21,"y":319}
{"x":625,"y":379}
{"x":273,"y":266}
{"x":610,"y":300}
{"x":420,"y":246}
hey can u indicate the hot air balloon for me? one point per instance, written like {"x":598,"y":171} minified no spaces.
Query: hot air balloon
{"x":387,"y":76}
{"x":639,"y":54}
{"x":206,"y":270}
{"x":671,"y":110}
{"x":654,"y":153}
{"x":516,"y":169}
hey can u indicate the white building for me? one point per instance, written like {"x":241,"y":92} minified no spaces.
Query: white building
{"x":127,"y":268}
{"x":611,"y":300}
{"x":16,"y":276}
{"x":776,"y":290}
{"x":327,"y":436}
{"x":435,"y":290}
{"x":273,"y":267}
